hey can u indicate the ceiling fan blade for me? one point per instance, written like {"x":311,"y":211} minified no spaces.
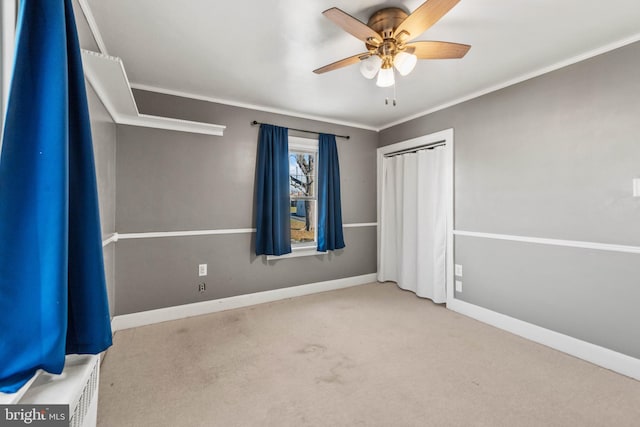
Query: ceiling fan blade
{"x":352,"y":26}
{"x":423,"y":18}
{"x":437,"y":50}
{"x":343,"y":63}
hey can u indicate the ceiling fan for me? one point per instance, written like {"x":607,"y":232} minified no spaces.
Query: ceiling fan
{"x":387,"y":38}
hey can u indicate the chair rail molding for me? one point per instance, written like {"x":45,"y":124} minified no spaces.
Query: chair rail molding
{"x":553,"y":242}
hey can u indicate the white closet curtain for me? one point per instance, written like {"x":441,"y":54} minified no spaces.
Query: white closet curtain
{"x":413,"y":228}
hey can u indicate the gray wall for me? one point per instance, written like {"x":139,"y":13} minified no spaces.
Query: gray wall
{"x":103,"y":132}
{"x":175,"y":181}
{"x":551,"y":157}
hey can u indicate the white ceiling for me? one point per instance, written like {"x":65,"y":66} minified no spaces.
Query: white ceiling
{"x":261,"y":53}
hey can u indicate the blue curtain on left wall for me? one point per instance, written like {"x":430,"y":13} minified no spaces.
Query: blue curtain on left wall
{"x":273,"y":234}
{"x":53,"y":297}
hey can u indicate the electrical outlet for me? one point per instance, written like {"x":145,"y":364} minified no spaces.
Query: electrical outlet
{"x":202,"y":287}
{"x":202,"y":270}
{"x":458,"y":285}
{"x":459,"y":270}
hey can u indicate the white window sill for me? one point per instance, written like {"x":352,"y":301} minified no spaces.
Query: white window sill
{"x":296,"y":252}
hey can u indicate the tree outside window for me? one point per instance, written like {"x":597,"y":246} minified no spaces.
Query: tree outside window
{"x":302,"y":188}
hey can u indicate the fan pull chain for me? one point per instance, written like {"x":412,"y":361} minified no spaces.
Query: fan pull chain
{"x":394,"y":93}
{"x":386,"y":100}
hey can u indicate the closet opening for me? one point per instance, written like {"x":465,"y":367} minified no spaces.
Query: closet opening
{"x":415,"y":211}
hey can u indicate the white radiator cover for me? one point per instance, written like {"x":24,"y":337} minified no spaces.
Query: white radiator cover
{"x":77,"y":387}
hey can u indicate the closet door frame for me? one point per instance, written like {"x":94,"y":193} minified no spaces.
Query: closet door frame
{"x":444,"y":137}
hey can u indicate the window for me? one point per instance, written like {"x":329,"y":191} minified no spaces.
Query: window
{"x":303,"y":161}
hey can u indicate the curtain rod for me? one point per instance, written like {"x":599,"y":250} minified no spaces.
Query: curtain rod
{"x":300,"y":130}
{"x":429,"y":146}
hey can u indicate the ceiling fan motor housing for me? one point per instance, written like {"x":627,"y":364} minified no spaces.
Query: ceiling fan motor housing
{"x":384,"y":22}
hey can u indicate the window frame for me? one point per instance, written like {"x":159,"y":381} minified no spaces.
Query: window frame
{"x":307,"y":146}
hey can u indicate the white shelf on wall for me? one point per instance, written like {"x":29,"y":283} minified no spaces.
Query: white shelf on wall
{"x":108,"y":78}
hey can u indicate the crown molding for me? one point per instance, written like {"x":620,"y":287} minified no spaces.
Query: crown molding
{"x":256,"y":107}
{"x":539,"y":72}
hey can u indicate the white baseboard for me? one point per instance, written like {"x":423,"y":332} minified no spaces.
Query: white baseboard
{"x":617,"y":362}
{"x":133,"y":320}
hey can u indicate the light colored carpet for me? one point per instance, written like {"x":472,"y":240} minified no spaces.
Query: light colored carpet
{"x":371,"y":355}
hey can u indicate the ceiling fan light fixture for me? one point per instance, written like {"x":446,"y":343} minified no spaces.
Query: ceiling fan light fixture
{"x":369,"y":67}
{"x":385,"y":77}
{"x":405,"y":62}
{"x":388,"y":37}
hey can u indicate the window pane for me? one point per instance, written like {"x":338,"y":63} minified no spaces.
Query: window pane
{"x":303,"y":223}
{"x":302,"y":174}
